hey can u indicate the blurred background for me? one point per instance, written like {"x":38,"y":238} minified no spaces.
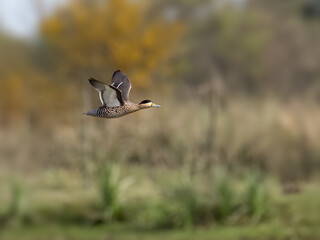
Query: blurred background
{"x":233,"y":153}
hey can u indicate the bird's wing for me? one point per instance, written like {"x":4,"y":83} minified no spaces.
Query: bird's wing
{"x":109,"y":95}
{"x":122,"y":82}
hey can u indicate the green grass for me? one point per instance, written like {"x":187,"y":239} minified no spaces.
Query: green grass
{"x":291,"y":217}
{"x":123,"y":232}
{"x":222,"y":205}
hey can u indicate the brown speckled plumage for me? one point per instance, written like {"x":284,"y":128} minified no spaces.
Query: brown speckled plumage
{"x":114,"y":112}
{"x":115,"y":98}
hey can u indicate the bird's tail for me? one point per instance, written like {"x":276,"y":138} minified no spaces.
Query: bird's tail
{"x":93,"y":112}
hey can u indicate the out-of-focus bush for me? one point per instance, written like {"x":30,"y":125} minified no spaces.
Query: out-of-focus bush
{"x":220,"y":197}
{"x":98,"y":37}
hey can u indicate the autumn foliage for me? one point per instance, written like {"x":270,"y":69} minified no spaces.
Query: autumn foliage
{"x":82,"y":39}
{"x":99,"y":37}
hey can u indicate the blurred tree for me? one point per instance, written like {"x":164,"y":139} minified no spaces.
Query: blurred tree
{"x":26,"y":93}
{"x":311,"y":9}
{"x":261,"y":47}
{"x":225,"y":39}
{"x":96,"y":37}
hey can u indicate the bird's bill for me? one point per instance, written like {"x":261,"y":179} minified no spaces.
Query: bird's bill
{"x":155,"y":105}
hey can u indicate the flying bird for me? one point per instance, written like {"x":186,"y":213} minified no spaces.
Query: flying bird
{"x":115,"y":98}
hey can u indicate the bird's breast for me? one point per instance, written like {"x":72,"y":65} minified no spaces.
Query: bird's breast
{"x":114,"y":112}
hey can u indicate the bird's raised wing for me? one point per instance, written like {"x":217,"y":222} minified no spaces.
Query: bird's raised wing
{"x":122,"y":82}
{"x":109,"y":95}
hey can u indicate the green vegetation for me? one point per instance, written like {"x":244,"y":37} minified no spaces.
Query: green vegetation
{"x":228,"y":208}
{"x":174,"y":203}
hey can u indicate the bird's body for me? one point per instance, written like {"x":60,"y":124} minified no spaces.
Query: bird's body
{"x":115,"y":98}
{"x":114,"y":112}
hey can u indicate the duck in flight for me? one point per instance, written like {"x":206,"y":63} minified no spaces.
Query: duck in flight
{"x":115,"y":98}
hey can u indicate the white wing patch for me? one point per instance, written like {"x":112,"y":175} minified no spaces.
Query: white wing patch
{"x":109,"y":97}
{"x":101,"y":98}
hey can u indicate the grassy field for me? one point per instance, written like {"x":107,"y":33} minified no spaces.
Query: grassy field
{"x":52,"y":209}
{"x":223,"y":176}
{"x":297,"y":218}
{"x":262,"y":231}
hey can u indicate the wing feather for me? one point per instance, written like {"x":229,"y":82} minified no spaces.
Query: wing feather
{"x":109,"y":95}
{"x":122,"y":82}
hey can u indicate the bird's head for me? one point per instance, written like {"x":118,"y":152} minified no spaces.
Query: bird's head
{"x":147,"y":104}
